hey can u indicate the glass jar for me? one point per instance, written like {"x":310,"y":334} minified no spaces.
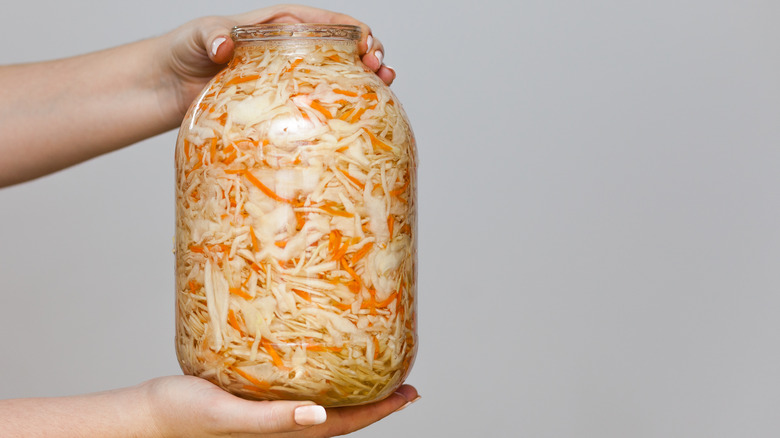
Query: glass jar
{"x":296,"y":235}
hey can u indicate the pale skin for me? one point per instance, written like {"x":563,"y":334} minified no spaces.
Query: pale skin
{"x":60,"y":113}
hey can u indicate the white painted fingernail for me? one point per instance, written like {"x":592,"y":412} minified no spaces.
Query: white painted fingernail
{"x":405,"y":405}
{"x":369,"y":43}
{"x":379,"y":55}
{"x":310,"y":415}
{"x":215,"y":45}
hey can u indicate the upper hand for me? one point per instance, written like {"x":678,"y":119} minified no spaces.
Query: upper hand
{"x":197,"y":50}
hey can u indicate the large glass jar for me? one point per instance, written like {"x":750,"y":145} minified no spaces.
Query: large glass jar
{"x":296,"y":226}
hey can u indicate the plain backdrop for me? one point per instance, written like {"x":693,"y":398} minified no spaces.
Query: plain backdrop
{"x":599,"y":218}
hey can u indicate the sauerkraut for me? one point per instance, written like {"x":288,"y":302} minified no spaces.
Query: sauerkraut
{"x":296,"y":228}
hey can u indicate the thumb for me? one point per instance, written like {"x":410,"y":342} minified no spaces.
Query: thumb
{"x":244,"y":416}
{"x":213,"y":36}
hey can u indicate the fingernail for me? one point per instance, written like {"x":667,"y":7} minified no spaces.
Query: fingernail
{"x":405,"y":405}
{"x":310,"y":415}
{"x":369,"y":43}
{"x":215,"y":45}
{"x":379,"y":55}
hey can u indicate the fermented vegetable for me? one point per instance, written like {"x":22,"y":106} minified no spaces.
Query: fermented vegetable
{"x":296,"y":226}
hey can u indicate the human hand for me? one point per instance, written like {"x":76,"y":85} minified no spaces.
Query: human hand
{"x":193,"y":407}
{"x":196,"y":51}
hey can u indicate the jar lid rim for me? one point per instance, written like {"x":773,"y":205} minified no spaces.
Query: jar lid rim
{"x":276,"y":31}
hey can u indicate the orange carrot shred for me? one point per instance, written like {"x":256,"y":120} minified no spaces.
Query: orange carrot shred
{"x":241,"y":80}
{"x":254,"y":380}
{"x":375,"y":341}
{"x":303,"y":294}
{"x":345,"y":92}
{"x":390,"y":223}
{"x":233,"y":321}
{"x":377,"y":142}
{"x":334,"y":212}
{"x":359,"y":254}
{"x":270,"y":193}
{"x":316,"y":105}
{"x":370,"y":96}
{"x":238,"y":292}
{"x":353,"y":179}
{"x":357,"y":115}
{"x":274,"y":355}
{"x":253,"y":236}
{"x":334,"y":240}
{"x":293,"y":65}
{"x":346,"y":115}
{"x":350,"y":271}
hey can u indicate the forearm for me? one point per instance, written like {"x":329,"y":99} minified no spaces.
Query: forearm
{"x":120,"y":413}
{"x":58,"y":113}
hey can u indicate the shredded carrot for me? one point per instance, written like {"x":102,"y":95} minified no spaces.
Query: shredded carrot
{"x":334,"y":240}
{"x":316,"y":105}
{"x":241,"y":80}
{"x":346,"y":115}
{"x":229,"y":159}
{"x":240,"y":293}
{"x":350,"y":271}
{"x":293,"y":65}
{"x":375,"y":341}
{"x":377,"y":142}
{"x":341,"y":252}
{"x":274,"y":355}
{"x":387,"y":301}
{"x":370,"y":96}
{"x":329,"y":208}
{"x":353,"y":179}
{"x":186,"y":149}
{"x":213,"y":149}
{"x":193,"y":286}
{"x":397,"y":192}
{"x":354,"y":286}
{"x":390,"y":223}
{"x":345,"y":92}
{"x":334,"y":58}
{"x":253,"y":236}
{"x":357,"y":115}
{"x":255,"y":267}
{"x":270,"y":193}
{"x":359,"y":254}
{"x":233,"y":321}
{"x":281,"y":243}
{"x":300,"y":220}
{"x":341,"y":306}
{"x":254,"y":380}
{"x":303,"y":294}
{"x":320,"y":348}
{"x":196,"y":166}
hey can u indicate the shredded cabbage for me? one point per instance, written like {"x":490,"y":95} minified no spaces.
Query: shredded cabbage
{"x":296,"y":228}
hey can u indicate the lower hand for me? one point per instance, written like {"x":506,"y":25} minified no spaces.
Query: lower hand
{"x":193,"y":407}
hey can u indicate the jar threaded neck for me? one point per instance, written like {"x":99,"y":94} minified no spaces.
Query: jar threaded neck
{"x":269,"y":32}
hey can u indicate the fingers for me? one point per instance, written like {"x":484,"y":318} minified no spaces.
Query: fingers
{"x":374,"y":59}
{"x":235,"y":415}
{"x":346,"y":420}
{"x":214,"y":33}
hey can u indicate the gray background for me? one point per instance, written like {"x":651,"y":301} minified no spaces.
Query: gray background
{"x":599,"y":229}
